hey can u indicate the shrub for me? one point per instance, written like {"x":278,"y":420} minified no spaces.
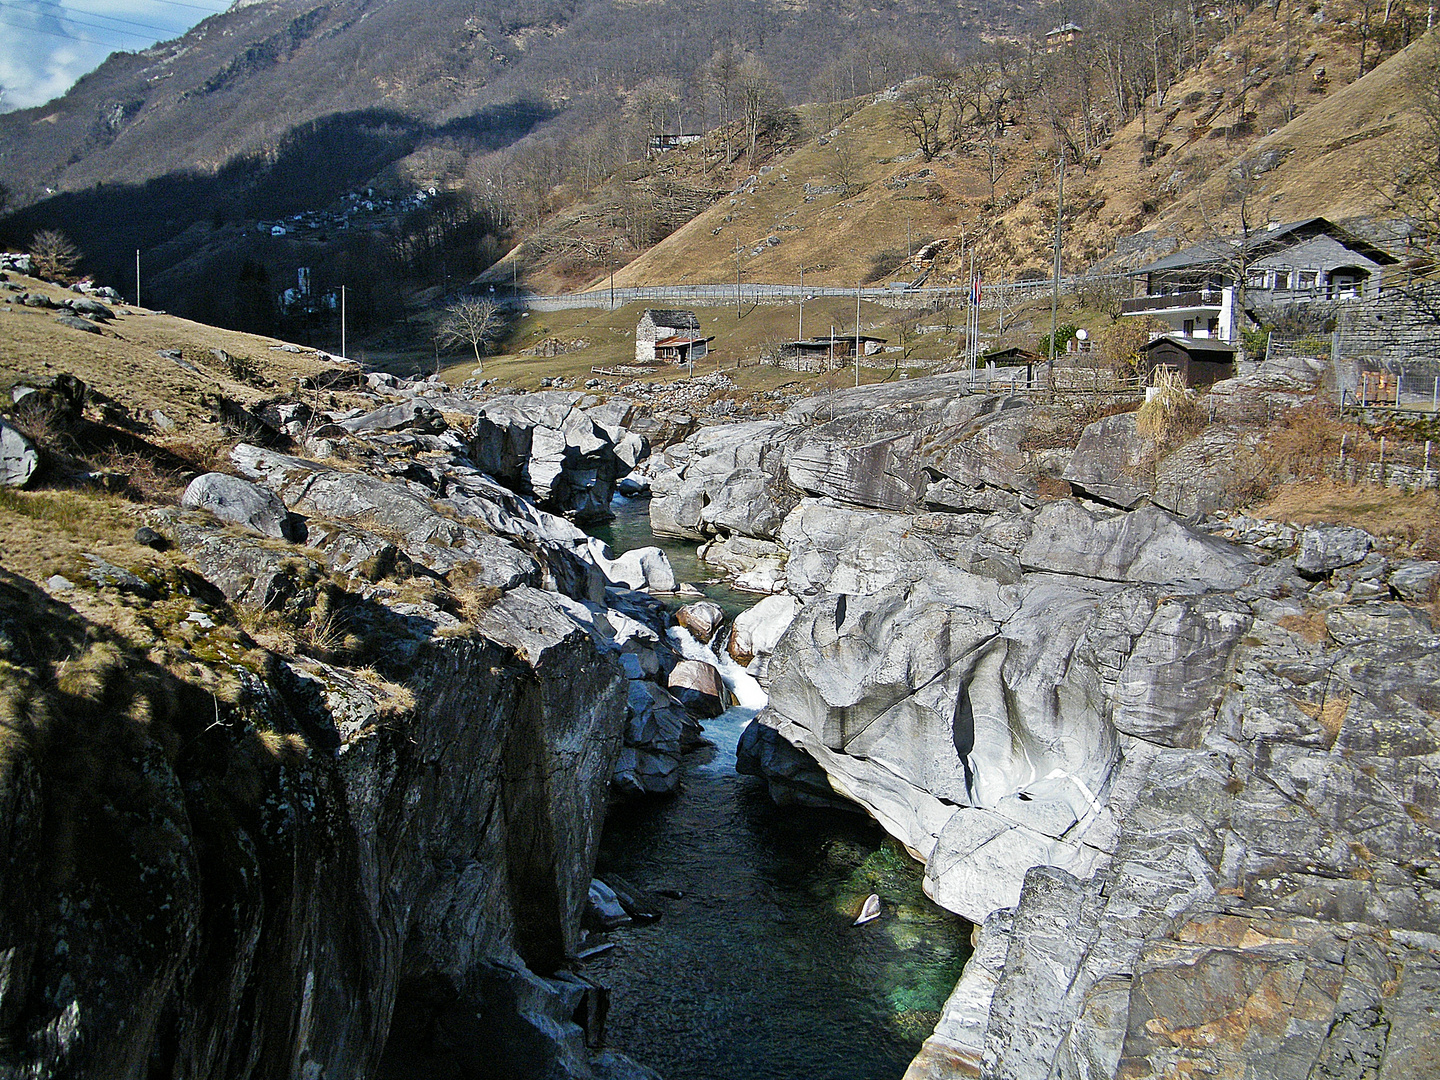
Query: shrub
{"x":1172,"y":414}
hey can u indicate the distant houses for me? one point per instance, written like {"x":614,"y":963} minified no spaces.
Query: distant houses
{"x":1196,"y":291}
{"x":670,"y":336}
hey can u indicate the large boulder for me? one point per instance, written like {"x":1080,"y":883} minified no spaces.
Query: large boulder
{"x":1113,"y":462}
{"x":758,"y":629}
{"x":642,"y":568}
{"x":914,"y":705}
{"x":1146,"y":545}
{"x":19,"y":457}
{"x":726,"y":479}
{"x":698,"y":686}
{"x":241,"y":502}
{"x":703,"y":619}
{"x":1328,"y":547}
{"x":565,"y":449}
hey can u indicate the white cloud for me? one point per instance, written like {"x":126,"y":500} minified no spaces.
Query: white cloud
{"x":45,"y":45}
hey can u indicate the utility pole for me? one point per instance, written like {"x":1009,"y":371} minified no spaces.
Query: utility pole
{"x":1055,"y":283}
{"x":137,"y":277}
{"x":737,"y":280}
{"x":857,"y":334}
{"x":343,"y":354}
{"x":800,"y":336}
{"x":972,"y":325}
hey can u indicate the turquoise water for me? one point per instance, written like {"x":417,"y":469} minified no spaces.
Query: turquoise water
{"x":755,"y":972}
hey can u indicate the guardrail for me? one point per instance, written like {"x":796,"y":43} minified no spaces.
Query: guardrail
{"x":1006,"y":294}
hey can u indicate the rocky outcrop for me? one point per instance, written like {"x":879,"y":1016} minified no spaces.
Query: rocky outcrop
{"x":269,"y":875}
{"x":241,"y":502}
{"x":19,"y":457}
{"x":1179,"y":779}
{"x":566,"y":450}
{"x":366,"y":853}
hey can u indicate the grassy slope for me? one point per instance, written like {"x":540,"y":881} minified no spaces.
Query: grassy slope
{"x":124,"y":362}
{"x":1345,"y":130}
{"x":1337,"y":153}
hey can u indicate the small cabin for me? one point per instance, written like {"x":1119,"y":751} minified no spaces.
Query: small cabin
{"x":837,"y":347}
{"x":661,"y":324}
{"x":1201,"y":362}
{"x":682,"y":349}
{"x":1013,"y":356}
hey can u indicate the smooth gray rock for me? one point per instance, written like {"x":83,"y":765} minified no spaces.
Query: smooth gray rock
{"x":1169,"y":688}
{"x":240,"y":502}
{"x":642,"y":568}
{"x":1109,"y":462}
{"x":1328,"y":547}
{"x":19,"y":457}
{"x":1416,"y":581}
{"x":758,"y":629}
{"x":410,"y":415}
{"x":1146,"y":545}
{"x":563,"y":448}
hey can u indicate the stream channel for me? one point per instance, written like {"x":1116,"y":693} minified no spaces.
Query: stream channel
{"x":756,"y":972}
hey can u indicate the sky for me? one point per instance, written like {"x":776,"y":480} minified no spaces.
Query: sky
{"x":45,"y":45}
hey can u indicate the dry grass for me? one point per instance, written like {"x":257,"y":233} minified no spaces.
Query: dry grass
{"x":1310,"y":627}
{"x":1172,"y":415}
{"x":1330,"y":712}
{"x":1411,"y":521}
{"x":1307,"y":442}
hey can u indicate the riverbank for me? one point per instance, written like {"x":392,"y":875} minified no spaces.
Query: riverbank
{"x":755,"y":971}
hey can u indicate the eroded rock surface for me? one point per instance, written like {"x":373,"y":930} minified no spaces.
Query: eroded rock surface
{"x":1184,"y":782}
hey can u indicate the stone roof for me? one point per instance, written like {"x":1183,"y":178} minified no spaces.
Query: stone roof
{"x":675,"y":320}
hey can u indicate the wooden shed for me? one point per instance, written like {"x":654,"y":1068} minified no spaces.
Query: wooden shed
{"x":1201,"y":362}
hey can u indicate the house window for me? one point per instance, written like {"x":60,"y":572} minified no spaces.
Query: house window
{"x":1189,"y":327}
{"x":1307,"y":279}
{"x":1255,"y":279}
{"x":1282,"y":279}
{"x":1212,"y":327}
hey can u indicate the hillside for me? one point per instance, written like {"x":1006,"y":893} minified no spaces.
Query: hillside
{"x":1171,"y":173}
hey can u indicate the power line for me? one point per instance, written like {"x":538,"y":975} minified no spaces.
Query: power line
{"x":63,"y":37}
{"x":192,"y":7}
{"x":70,"y":13}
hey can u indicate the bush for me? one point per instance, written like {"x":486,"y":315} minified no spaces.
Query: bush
{"x":1172,"y":414}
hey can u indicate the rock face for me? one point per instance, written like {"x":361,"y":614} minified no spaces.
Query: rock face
{"x":366,"y":854}
{"x":345,"y":858}
{"x":566,"y":450}
{"x":1196,"y":839}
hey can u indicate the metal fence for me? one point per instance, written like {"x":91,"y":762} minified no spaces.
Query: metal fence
{"x":1005,"y":294}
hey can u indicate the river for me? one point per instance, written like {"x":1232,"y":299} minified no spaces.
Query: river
{"x":756,"y":972}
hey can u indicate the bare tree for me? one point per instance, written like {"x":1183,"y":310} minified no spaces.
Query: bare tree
{"x":922,"y":108}
{"x":52,"y":255}
{"x":470,"y":321}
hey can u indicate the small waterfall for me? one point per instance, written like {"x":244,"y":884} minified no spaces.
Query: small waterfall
{"x":725,"y":729}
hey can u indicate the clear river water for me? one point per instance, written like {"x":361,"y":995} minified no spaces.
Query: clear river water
{"x":756,"y":972}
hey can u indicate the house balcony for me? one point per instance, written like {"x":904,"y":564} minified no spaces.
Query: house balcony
{"x":1172,"y":305}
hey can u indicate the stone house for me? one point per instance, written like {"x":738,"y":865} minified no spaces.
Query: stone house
{"x":669,"y":335}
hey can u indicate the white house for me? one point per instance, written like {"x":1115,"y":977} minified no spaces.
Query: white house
{"x":1194,"y":290}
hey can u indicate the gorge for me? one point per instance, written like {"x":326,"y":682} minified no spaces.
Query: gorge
{"x":1179,"y":768}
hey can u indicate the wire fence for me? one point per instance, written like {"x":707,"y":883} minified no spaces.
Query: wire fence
{"x":992,"y":297}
